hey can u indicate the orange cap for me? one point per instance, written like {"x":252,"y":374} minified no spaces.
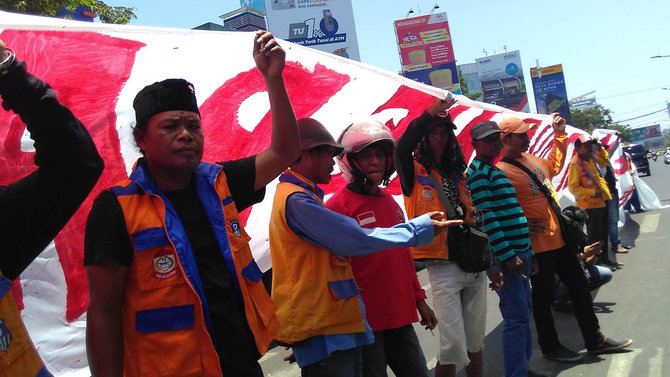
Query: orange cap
{"x":515,"y":125}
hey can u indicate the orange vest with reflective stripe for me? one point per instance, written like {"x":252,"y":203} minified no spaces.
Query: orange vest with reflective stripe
{"x":423,"y":199}
{"x":314,"y":290}
{"x":164,"y":329}
{"x":18,"y":356}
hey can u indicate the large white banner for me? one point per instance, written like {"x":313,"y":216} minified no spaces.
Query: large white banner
{"x":326,"y":25}
{"x":97,"y":69}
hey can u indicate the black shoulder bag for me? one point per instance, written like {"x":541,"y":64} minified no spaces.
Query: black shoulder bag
{"x":569,"y":229}
{"x":468,"y":246}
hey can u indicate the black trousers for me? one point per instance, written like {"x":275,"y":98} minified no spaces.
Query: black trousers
{"x":564,"y":263}
{"x":597,"y":228}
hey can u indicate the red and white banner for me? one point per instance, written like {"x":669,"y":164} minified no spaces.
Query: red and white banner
{"x":97,"y":69}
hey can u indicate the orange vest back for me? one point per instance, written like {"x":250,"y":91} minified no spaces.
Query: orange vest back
{"x":314,"y":290}
{"x":18,"y":356}
{"x":164,"y":328}
{"x":423,"y":199}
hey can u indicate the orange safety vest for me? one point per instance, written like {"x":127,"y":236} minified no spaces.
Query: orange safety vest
{"x":314,"y":290}
{"x":18,"y":356}
{"x":164,"y":329}
{"x":423,"y":199}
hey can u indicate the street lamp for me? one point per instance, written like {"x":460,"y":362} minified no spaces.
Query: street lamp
{"x":434,"y":7}
{"x":660,"y":56}
{"x":410,"y":11}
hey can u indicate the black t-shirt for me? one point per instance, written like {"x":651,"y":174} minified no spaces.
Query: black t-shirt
{"x":107,"y":239}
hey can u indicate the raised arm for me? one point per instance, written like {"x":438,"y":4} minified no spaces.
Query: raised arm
{"x":407,"y":142}
{"x":556,"y":157}
{"x":36,"y":207}
{"x":284,"y":147}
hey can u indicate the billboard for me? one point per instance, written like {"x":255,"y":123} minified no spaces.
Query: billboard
{"x":647,"y":132}
{"x":326,"y":25}
{"x":649,"y":136}
{"x":426,"y":52}
{"x":549,"y":89}
{"x":256,"y":4}
{"x":502,"y":80}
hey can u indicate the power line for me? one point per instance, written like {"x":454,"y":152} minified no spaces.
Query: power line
{"x":634,"y":92}
{"x":641,"y":116}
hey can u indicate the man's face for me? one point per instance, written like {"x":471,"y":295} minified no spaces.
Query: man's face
{"x":489,"y":147}
{"x":321,"y":163}
{"x":173,"y":141}
{"x":516,"y":143}
{"x":438,"y":137}
{"x":371,"y":161}
{"x":585,"y":149}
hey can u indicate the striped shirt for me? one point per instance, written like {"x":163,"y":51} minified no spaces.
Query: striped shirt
{"x":504,"y":221}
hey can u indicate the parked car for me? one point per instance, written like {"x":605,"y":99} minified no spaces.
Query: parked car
{"x":666,"y":159}
{"x":638,"y":157}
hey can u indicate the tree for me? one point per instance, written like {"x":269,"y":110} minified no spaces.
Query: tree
{"x":464,"y":87}
{"x":106,"y":13}
{"x":599,"y":117}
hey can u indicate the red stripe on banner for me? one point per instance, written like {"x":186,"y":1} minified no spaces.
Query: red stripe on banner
{"x":457,"y":110}
{"x":521,"y":105}
{"x":414,"y":101}
{"x":56,"y":57}
{"x":622,"y":167}
{"x":308,"y":91}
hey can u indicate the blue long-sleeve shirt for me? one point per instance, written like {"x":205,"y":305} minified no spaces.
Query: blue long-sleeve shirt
{"x":342,"y":235}
{"x":313,"y":222}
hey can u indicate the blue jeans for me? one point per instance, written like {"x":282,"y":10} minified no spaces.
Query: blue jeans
{"x":598,"y":276}
{"x":515,"y":307}
{"x":347,"y":363}
{"x":398,"y":348}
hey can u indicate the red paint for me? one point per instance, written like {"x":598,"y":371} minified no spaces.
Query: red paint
{"x":62,"y":59}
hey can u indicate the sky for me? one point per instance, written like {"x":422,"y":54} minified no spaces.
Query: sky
{"x":604,"y":46}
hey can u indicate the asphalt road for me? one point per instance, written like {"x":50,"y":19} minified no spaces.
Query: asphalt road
{"x":635,"y":304}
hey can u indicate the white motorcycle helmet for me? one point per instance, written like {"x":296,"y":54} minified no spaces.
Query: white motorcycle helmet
{"x":357,"y":137}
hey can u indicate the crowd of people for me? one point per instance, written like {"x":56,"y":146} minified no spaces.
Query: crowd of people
{"x":175,"y":291}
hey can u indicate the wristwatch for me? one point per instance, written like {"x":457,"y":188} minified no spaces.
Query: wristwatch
{"x":4,"y":66}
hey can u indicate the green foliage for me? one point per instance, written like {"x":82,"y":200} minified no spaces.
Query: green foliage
{"x":599,"y":117}
{"x":667,"y":141}
{"x":474,"y":96}
{"x":464,"y":84}
{"x":106,"y":13}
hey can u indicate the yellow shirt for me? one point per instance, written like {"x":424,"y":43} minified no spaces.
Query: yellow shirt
{"x":583,"y":178}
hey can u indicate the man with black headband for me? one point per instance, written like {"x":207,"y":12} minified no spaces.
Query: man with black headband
{"x":174,"y":289}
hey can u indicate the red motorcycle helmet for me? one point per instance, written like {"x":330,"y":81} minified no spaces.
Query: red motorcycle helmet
{"x":357,"y":137}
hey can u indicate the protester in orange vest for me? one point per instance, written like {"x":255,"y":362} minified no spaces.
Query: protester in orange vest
{"x":318,"y":302}
{"x":429,"y":147}
{"x":35,"y":208}
{"x":174,"y":289}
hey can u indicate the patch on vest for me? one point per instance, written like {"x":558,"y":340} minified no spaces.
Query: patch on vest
{"x":164,"y":265}
{"x":366,"y":218}
{"x":5,"y":336}
{"x":235,"y":226}
{"x":427,"y":194}
{"x":401,"y":216}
